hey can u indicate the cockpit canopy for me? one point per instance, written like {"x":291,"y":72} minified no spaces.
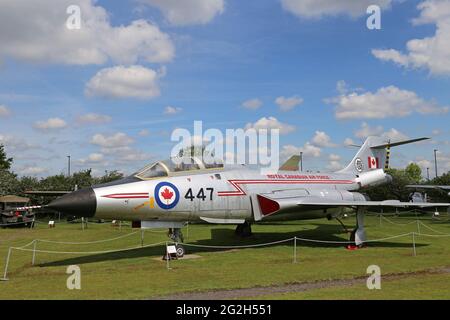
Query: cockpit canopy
{"x":171,"y":167}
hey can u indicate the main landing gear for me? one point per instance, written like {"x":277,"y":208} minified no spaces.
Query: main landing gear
{"x":358,"y":235}
{"x":176,"y":236}
{"x":244,"y":229}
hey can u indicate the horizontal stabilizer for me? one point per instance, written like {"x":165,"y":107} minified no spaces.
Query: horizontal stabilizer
{"x":398,"y":143}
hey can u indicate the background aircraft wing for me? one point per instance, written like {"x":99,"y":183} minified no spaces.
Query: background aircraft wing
{"x":427,"y":186}
{"x":47,"y":193}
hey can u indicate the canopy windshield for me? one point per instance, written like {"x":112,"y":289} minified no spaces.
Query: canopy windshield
{"x":166,"y":168}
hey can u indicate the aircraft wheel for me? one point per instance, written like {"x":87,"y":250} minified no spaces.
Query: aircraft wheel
{"x":180,"y":251}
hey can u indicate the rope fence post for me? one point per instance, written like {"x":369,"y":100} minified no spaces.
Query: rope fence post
{"x":142,"y":237}
{"x":295,"y":249}
{"x":414,"y":243}
{"x":5,"y":274}
{"x":167,"y":256}
{"x":418,"y":226}
{"x":34,"y":252}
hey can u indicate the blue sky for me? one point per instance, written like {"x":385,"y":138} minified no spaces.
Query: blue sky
{"x":208,"y":59}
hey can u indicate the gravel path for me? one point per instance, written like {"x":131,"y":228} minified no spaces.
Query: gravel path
{"x":290,"y":288}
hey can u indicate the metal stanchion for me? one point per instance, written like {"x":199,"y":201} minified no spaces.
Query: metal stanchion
{"x":414,"y":243}
{"x":167,"y":257}
{"x":295,"y":249}
{"x":34,"y":252}
{"x":142,"y":237}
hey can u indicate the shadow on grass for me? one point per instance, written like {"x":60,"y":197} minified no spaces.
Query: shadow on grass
{"x":227,"y":237}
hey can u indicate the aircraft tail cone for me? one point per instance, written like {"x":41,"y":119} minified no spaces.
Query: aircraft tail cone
{"x":80,"y":203}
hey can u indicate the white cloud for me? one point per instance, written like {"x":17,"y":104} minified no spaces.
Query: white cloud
{"x":366,"y":130}
{"x":308,"y":150}
{"x":116,"y":140}
{"x":188,"y":12}
{"x":31,"y":171}
{"x":287,"y":104}
{"x":349,"y":142}
{"x":15,"y":143}
{"x":93,"y":118}
{"x":321,"y":139}
{"x":144,"y":133}
{"x":334,"y":157}
{"x":252,"y":104}
{"x":387,"y":102}
{"x":50,"y":124}
{"x":334,"y":165}
{"x":4,"y":111}
{"x":395,"y":135}
{"x":169,"y":110}
{"x":271,"y":123}
{"x":36,"y":31}
{"x":320,"y":8}
{"x":93,"y":158}
{"x":125,"y":82}
{"x":431,"y":53}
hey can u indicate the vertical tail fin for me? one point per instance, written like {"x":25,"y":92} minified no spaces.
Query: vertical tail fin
{"x":373,"y":154}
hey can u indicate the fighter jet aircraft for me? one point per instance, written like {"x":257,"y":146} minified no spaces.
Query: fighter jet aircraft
{"x":166,"y":195}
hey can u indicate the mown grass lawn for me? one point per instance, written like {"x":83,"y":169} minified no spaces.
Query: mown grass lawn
{"x":141,"y":274}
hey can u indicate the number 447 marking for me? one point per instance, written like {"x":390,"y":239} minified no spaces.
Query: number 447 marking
{"x":200,"y":195}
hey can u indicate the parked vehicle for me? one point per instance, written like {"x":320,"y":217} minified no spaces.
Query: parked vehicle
{"x":12,"y":214}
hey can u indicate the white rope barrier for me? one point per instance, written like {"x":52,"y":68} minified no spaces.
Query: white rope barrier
{"x":397,"y":223}
{"x":430,"y":228}
{"x":238,"y":247}
{"x":88,"y":252}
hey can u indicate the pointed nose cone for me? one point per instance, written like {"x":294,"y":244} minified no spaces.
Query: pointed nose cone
{"x":80,"y":203}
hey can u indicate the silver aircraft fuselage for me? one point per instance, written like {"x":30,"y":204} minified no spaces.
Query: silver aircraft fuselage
{"x":219,"y":195}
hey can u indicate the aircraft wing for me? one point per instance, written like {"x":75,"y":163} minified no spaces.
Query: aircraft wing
{"x":385,"y":203}
{"x":265,"y":206}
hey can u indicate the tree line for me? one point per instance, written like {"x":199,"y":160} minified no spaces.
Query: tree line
{"x":12,"y":184}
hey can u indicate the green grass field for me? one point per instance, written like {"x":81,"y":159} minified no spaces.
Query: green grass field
{"x":141,"y":274}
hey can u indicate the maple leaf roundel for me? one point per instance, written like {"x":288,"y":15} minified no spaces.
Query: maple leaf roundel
{"x":166,"y":195}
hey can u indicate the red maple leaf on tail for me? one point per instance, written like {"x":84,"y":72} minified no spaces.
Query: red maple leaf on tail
{"x":167,"y":194}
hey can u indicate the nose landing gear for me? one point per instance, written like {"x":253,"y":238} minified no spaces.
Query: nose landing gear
{"x":176,"y":236}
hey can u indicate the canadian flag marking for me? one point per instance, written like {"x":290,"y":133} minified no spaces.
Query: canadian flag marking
{"x":373,"y":162}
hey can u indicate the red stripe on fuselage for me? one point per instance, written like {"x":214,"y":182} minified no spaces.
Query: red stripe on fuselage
{"x":239,"y":192}
{"x":126,"y":196}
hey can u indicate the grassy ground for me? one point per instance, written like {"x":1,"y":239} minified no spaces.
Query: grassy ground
{"x":138,"y":273}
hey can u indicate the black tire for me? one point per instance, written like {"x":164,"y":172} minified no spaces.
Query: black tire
{"x":180,"y":251}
